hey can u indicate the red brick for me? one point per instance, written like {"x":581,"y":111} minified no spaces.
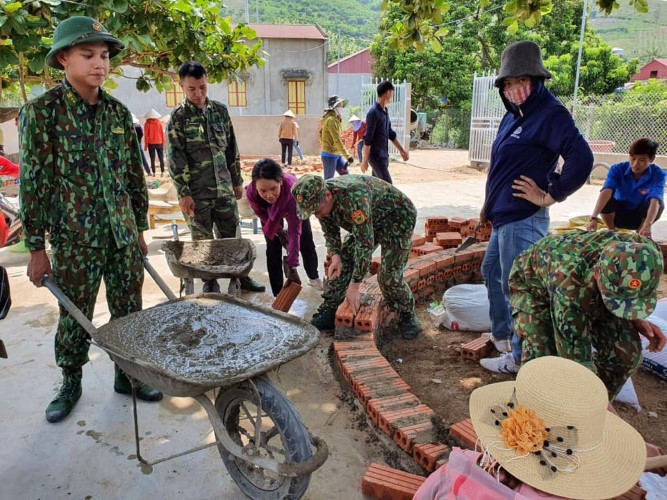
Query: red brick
{"x":425,"y":249}
{"x":418,"y":240}
{"x":456,"y":223}
{"x":406,"y":437}
{"x":425,"y":266}
{"x":406,"y":400}
{"x":366,"y":392}
{"x":428,"y":455}
{"x":464,"y":433}
{"x":287,"y":296}
{"x":477,"y":349}
{"x":345,"y":316}
{"x":411,"y":275}
{"x":389,"y":419}
{"x":384,"y":483}
{"x":448,"y":240}
{"x":636,"y":493}
{"x":444,"y":262}
{"x":437,"y":223}
{"x":367,"y":317}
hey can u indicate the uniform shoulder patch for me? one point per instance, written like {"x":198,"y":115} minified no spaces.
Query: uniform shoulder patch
{"x":358,"y":217}
{"x":118,"y":131}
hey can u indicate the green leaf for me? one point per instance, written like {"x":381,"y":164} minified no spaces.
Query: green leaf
{"x":10,"y":8}
{"x":436,"y":45}
{"x":441,"y":32}
{"x":36,"y":65}
{"x":120,"y":6}
{"x":513,"y":28}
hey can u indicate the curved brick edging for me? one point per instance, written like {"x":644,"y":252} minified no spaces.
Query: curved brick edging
{"x":388,"y":401}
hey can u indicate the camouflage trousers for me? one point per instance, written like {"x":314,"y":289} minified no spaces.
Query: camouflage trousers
{"x":616,"y":341}
{"x":78,"y":271}
{"x":395,"y":290}
{"x":215,"y":214}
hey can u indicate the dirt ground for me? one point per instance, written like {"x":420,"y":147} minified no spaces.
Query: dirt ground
{"x":443,"y":380}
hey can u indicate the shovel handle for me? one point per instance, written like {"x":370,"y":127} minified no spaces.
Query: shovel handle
{"x":69,"y":306}
{"x":158,"y":279}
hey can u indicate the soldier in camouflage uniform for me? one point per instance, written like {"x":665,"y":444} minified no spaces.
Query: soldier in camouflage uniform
{"x":205,"y":164}
{"x":578,"y":291}
{"x":373,"y":212}
{"x":82,"y":182}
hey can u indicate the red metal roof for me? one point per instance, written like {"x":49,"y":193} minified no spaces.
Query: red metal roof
{"x":289,"y":31}
{"x":359,"y":62}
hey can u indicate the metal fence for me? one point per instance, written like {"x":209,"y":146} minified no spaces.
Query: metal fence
{"x":398,"y":109}
{"x":610,"y":123}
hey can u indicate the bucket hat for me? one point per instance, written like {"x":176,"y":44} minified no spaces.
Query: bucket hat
{"x":629,"y":277}
{"x":309,"y":192}
{"x":521,"y":58}
{"x":289,"y":113}
{"x":551,"y":430}
{"x":80,"y":29}
{"x":334,"y":101}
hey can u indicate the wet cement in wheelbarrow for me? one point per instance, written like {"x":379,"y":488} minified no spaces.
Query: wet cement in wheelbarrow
{"x":203,"y":339}
{"x":207,"y":254}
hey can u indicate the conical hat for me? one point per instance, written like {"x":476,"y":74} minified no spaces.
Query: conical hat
{"x":152,"y":114}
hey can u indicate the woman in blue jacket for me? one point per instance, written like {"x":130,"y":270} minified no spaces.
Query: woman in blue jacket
{"x":524,"y":181}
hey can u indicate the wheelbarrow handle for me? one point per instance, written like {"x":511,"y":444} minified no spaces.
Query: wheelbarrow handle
{"x":158,"y":279}
{"x":69,"y":306}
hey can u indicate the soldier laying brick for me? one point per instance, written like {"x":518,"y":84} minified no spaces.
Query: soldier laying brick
{"x":373,"y":213}
{"x":578,"y":291}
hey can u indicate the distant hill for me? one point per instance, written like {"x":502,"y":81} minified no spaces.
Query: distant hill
{"x":640,"y":35}
{"x":357,"y":20}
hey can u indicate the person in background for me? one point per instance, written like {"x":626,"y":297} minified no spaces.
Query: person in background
{"x":378,"y":134}
{"x":359,"y":129}
{"x":205,"y":165}
{"x":288,"y":134}
{"x":270,"y":196}
{"x":154,"y":139}
{"x":140,"y":135}
{"x":8,"y":168}
{"x":633,"y":193}
{"x":334,"y":154}
{"x":522,"y":182}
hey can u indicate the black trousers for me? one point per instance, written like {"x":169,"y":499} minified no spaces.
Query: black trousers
{"x":287,"y":149}
{"x":152,"y":149}
{"x":274,"y":258}
{"x":380,"y":169}
{"x":629,"y":217}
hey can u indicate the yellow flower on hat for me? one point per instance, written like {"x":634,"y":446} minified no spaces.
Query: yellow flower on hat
{"x":524,"y":431}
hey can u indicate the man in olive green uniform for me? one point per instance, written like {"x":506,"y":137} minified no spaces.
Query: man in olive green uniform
{"x":205,"y":164}
{"x":82,"y":182}
{"x":373,"y":213}
{"x":578,"y":291}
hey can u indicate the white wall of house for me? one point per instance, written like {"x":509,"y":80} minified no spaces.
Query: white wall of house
{"x":348,"y":86}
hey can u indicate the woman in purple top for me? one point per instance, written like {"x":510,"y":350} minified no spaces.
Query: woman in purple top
{"x":270,"y":196}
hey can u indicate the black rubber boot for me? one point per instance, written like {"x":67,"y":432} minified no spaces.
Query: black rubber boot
{"x":211,"y":286}
{"x":250,"y":285}
{"x":410,"y":326}
{"x":324,"y":318}
{"x":122,"y":385}
{"x":64,"y":402}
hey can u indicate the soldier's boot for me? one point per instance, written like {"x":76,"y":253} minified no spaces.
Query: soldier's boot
{"x":68,"y":395}
{"x":410,"y":326}
{"x":211,"y":286}
{"x":250,"y":285}
{"x":122,"y":385}
{"x":324,"y":318}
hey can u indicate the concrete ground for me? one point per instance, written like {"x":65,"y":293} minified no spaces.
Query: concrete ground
{"x":91,"y":454}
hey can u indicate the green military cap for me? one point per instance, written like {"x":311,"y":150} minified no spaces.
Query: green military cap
{"x":629,"y":277}
{"x":80,"y":29}
{"x":309,"y":192}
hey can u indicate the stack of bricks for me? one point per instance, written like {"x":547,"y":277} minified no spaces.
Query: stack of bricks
{"x":384,"y":483}
{"x":435,"y":225}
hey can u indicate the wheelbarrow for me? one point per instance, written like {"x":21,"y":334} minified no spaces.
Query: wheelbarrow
{"x":231,"y":258}
{"x":192,"y":345}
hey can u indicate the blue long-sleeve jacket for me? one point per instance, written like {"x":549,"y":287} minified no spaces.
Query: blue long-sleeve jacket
{"x":530,"y":139}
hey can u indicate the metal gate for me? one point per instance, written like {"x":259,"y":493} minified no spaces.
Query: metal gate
{"x":398,"y":109}
{"x":487,"y":111}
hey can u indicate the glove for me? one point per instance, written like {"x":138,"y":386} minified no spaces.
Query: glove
{"x":282,"y":237}
{"x":291,"y":273}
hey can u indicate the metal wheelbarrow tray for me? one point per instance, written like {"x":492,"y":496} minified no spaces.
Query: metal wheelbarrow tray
{"x":210,"y":259}
{"x":188,"y":346}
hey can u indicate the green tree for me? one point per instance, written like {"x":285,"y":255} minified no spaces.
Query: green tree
{"x":159,"y":35}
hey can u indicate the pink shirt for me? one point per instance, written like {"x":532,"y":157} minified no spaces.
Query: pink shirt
{"x":272,"y":216}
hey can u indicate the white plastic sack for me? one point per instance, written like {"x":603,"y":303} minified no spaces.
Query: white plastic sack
{"x":656,"y":362}
{"x":655,"y":486}
{"x":628,"y":395}
{"x":466,"y":307}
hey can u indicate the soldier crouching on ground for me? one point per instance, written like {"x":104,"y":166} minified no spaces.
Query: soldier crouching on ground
{"x":82,"y":182}
{"x":373,"y":212}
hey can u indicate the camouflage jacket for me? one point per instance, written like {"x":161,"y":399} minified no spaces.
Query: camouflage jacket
{"x":204,"y":159}
{"x":373,"y":212}
{"x":557,"y":273}
{"x":82,"y":178}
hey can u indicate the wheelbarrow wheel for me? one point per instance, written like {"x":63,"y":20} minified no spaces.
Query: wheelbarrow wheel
{"x":283,"y":437}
